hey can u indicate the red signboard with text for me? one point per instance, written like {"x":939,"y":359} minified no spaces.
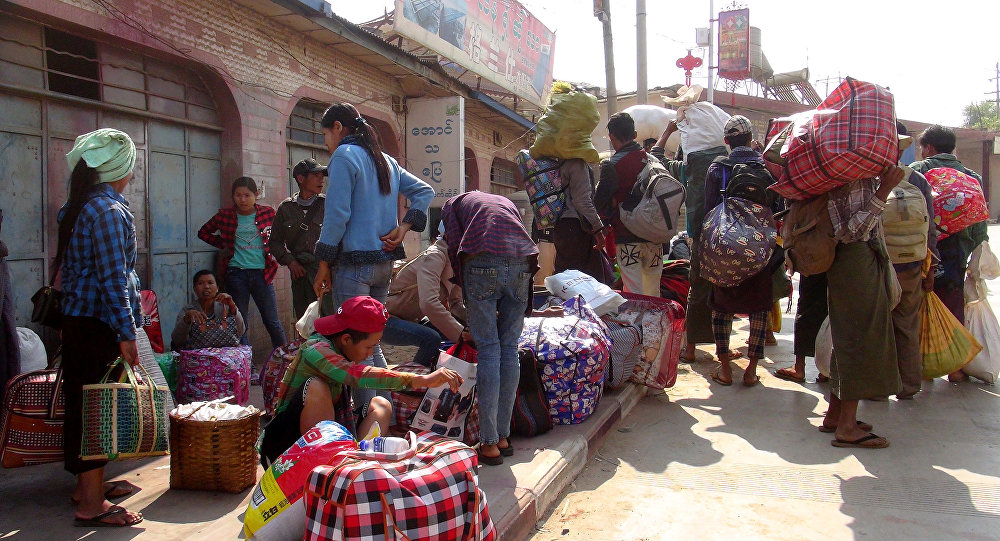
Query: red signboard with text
{"x":734,"y":44}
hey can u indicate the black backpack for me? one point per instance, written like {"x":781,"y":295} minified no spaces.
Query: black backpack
{"x":531,"y":409}
{"x":748,"y":181}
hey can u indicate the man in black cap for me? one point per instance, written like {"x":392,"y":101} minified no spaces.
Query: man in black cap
{"x":296,"y":228}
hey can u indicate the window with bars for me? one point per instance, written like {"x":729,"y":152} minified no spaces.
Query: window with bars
{"x":503,"y":177}
{"x":303,"y":123}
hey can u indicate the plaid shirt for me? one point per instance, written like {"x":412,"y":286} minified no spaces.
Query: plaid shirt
{"x":221,"y":230}
{"x":855,"y":211}
{"x":478,"y":222}
{"x":317,"y":357}
{"x":98,"y":269}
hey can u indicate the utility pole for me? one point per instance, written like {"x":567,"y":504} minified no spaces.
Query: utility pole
{"x":602,"y":10}
{"x":711,"y":49}
{"x":996,"y":93}
{"x":642,"y":92}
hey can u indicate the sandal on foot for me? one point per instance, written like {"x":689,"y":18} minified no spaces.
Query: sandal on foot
{"x":100,"y":522}
{"x":756,"y":380}
{"x":718,"y":379}
{"x":488,"y":460}
{"x":831,"y":429}
{"x":119,"y":489}
{"x":871,"y":441}
{"x":506,"y":451}
{"x":789,"y":375}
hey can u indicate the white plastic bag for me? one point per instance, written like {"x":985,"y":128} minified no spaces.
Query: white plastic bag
{"x":573,"y":283}
{"x":701,"y":126}
{"x":982,"y":323}
{"x":984,"y":264}
{"x":32,"y":351}
{"x":824,"y":348}
{"x":650,"y":120}
{"x":304,"y":326}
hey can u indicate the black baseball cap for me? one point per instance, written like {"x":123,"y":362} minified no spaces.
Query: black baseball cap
{"x":308,"y":165}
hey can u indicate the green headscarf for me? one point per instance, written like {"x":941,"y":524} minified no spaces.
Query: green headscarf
{"x":111,"y":152}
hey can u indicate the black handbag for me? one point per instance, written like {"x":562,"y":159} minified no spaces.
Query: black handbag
{"x":47,"y":307}
{"x":531,"y":409}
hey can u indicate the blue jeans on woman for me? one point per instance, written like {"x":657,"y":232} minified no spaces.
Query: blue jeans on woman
{"x":497,"y":290}
{"x":401,"y":332}
{"x":353,"y":280}
{"x":242,"y":284}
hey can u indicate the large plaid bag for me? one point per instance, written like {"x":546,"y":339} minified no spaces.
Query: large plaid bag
{"x":274,"y":371}
{"x":428,"y":492}
{"x":124,"y":419}
{"x":405,"y":404}
{"x":661,"y":322}
{"x":31,"y":421}
{"x":573,"y":351}
{"x":211,"y":373}
{"x":850,"y":136}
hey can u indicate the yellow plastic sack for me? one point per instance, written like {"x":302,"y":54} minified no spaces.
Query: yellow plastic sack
{"x":946,"y":345}
{"x":774,"y":319}
{"x":564,"y":130}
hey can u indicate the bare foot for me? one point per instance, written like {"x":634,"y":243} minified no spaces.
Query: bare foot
{"x":957,"y":376}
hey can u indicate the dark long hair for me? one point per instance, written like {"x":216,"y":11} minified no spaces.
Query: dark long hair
{"x":350,"y":118}
{"x":82,"y":181}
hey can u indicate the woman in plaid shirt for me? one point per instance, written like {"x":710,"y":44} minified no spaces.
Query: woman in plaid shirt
{"x":317,"y":385}
{"x":242,"y":232}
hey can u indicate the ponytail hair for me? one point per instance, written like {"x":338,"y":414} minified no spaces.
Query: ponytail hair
{"x":350,"y":118}
{"x":81,"y":182}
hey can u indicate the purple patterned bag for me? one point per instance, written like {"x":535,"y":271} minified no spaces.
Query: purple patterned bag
{"x":210,"y":373}
{"x":573,"y":351}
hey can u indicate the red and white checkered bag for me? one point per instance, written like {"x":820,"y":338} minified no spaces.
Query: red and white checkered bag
{"x":405,"y":404}
{"x":662,"y":323}
{"x":428,"y":492}
{"x":849,"y":137}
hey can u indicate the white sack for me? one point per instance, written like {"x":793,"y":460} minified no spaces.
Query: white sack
{"x":572,"y":283}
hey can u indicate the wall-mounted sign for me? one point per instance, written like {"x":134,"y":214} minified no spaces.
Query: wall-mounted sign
{"x":734,"y":44}
{"x":435,"y":144}
{"x":498,"y":40}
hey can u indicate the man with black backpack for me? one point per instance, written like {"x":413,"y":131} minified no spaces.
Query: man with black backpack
{"x":740,"y":175}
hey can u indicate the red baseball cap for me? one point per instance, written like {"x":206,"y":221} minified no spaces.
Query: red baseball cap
{"x":363,"y":314}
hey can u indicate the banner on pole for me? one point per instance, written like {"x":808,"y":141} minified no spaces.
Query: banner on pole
{"x":734,"y":44}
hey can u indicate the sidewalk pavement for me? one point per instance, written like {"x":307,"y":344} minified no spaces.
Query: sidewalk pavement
{"x":35,"y":505}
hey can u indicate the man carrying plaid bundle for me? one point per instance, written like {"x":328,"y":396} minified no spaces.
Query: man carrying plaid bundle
{"x":317,"y":385}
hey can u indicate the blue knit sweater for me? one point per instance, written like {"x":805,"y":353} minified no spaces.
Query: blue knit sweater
{"x":357,"y":213}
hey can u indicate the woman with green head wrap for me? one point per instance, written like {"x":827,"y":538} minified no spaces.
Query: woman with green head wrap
{"x":101,"y":306}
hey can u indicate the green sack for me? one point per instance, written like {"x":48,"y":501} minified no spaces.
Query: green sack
{"x":564,"y":130}
{"x":168,"y":364}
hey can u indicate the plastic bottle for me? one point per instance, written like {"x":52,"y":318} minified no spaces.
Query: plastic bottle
{"x":387,"y":444}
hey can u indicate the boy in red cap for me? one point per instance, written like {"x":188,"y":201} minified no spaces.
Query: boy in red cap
{"x":316,"y":386}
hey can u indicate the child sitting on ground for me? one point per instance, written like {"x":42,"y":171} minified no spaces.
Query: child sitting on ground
{"x":317,"y":385}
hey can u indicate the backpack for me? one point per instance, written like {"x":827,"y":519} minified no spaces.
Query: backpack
{"x":544,"y":186}
{"x":904,"y":221}
{"x":807,"y":236}
{"x":749,"y":181}
{"x":652,"y":208}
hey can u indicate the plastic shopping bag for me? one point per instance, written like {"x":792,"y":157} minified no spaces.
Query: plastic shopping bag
{"x":945,"y":344}
{"x":572,"y":283}
{"x":304,"y":326}
{"x":443,"y":411}
{"x":824,"y":348}
{"x":982,"y":323}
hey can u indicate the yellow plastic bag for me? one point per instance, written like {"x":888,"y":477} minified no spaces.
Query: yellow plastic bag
{"x":774,"y":317}
{"x":946,"y":345}
{"x":564,"y":130}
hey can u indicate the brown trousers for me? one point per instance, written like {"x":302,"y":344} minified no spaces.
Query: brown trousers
{"x":906,"y":328}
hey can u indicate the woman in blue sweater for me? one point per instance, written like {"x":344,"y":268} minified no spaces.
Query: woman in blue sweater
{"x":361,"y":234}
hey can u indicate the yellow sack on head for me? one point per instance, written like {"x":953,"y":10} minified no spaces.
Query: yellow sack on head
{"x":564,"y":130}
{"x":946,"y":345}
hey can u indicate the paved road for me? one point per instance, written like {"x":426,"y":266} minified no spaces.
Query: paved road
{"x":704,"y":461}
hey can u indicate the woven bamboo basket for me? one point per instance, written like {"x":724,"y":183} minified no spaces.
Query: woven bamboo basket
{"x":214,"y":455}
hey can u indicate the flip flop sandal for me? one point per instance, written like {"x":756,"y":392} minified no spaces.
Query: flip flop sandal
{"x":755,"y":381}
{"x":782,"y":374}
{"x":871,"y":441}
{"x":716,"y":378}
{"x":506,"y":451}
{"x":109,"y":494}
{"x":861,"y":424}
{"x":488,"y":460}
{"x":98,"y":521}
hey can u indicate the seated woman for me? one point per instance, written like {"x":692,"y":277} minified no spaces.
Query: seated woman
{"x":211,"y":321}
{"x":317,"y":385}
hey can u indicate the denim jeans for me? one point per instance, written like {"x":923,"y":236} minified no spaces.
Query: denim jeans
{"x":497,"y":290}
{"x":351,"y":280}
{"x":400,"y":332}
{"x":242,"y":284}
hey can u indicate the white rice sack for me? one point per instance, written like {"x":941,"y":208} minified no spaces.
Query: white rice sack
{"x":650,"y":120}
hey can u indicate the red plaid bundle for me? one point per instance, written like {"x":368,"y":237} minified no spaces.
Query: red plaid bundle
{"x":850,"y":136}
{"x":405,"y":404}
{"x":427,"y":492}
